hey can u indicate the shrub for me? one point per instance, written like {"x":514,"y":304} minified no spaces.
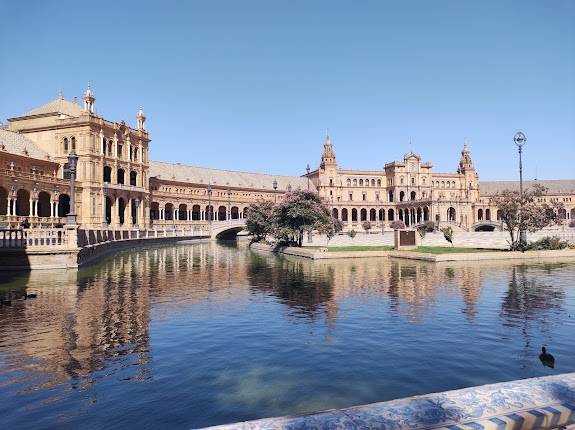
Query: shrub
{"x":572,"y":223}
{"x":366,"y":226}
{"x":549,"y":243}
{"x":352,"y":234}
{"x":448,"y":234}
{"x":428,"y":227}
{"x":397,"y":225}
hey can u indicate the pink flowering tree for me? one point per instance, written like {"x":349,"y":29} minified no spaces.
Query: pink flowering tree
{"x":300,"y":212}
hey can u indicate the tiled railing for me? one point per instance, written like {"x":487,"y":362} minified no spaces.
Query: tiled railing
{"x":538,"y":403}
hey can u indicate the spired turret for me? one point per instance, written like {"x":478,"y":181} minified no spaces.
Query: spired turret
{"x":89,"y":100}
{"x":465,"y":162}
{"x":328,"y":155}
{"x":141,"y":119}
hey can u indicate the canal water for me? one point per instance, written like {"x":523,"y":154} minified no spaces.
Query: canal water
{"x":202,"y":334}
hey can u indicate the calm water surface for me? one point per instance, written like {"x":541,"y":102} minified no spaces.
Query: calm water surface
{"x":204,"y":334}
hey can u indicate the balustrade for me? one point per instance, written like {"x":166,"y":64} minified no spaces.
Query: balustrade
{"x":61,"y":238}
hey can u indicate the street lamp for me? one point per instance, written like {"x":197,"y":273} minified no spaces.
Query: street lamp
{"x":210,"y":203}
{"x":307,"y":169}
{"x":229,"y":207}
{"x":137,"y":204}
{"x":275,"y":185}
{"x":520,"y":140}
{"x":72,"y":163}
{"x":438,"y":214}
{"x":289,"y":188}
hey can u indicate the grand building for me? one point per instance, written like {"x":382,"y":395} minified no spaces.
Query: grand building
{"x":118,"y":186}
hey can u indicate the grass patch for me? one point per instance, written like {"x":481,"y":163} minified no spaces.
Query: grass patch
{"x":450,"y":250}
{"x":359,"y":248}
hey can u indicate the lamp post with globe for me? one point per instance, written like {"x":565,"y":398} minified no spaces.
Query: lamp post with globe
{"x":72,"y":163}
{"x":520,"y":140}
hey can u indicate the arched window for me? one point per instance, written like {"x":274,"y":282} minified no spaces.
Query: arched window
{"x":66,"y":146}
{"x":413,"y":195}
{"x":355,"y":182}
{"x":334,"y":213}
{"x":73,"y":143}
{"x":401,"y":196}
{"x":107,"y":174}
{"x":480,"y":214}
{"x":442,"y":184}
{"x":487,"y":214}
{"x":348,"y":182}
{"x":373,"y":182}
{"x":361,"y":182}
{"x":423,"y":180}
{"x":412,"y":181}
{"x":363,"y":214}
{"x":401,"y":180}
{"x":379,"y":182}
{"x":120,"y":176}
{"x":354,"y":215}
{"x":390,"y":196}
{"x":390,"y":215}
{"x":133,"y":178}
{"x":372,"y":215}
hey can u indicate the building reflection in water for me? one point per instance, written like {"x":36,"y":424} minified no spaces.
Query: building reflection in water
{"x":95,"y":323}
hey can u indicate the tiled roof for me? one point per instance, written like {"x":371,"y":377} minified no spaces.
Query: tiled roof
{"x":199,"y":175}
{"x":58,"y":105}
{"x":19,"y":144}
{"x":554,"y":186}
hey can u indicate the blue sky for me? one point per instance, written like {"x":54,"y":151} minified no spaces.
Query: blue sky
{"x":253,"y":85}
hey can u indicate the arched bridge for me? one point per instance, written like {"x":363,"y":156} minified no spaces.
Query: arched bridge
{"x":486,"y":226}
{"x":227,"y":229}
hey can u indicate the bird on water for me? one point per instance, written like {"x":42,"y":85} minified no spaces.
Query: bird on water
{"x":546,"y":358}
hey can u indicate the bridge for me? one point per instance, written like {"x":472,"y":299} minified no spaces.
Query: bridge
{"x":227,"y":229}
{"x":72,"y":246}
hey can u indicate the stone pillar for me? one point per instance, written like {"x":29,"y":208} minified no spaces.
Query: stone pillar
{"x":56,"y":208}
{"x":9,"y":206}
{"x":31,"y":202}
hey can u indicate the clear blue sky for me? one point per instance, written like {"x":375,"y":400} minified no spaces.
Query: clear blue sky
{"x":253,"y":85}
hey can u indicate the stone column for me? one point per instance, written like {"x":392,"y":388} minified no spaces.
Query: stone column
{"x":9,"y":206}
{"x":30,"y":212}
{"x":56,"y":208}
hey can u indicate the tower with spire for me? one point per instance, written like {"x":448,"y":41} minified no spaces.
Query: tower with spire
{"x":89,"y":100}
{"x":465,"y":162}
{"x":141,"y":119}
{"x":328,"y":155}
{"x":467,"y":169}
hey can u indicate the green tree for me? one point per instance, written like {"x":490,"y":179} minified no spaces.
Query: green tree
{"x":448,"y":234}
{"x":300,"y":212}
{"x":366,"y":226}
{"x":352,"y":234}
{"x":259,"y":221}
{"x":528,"y":213}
